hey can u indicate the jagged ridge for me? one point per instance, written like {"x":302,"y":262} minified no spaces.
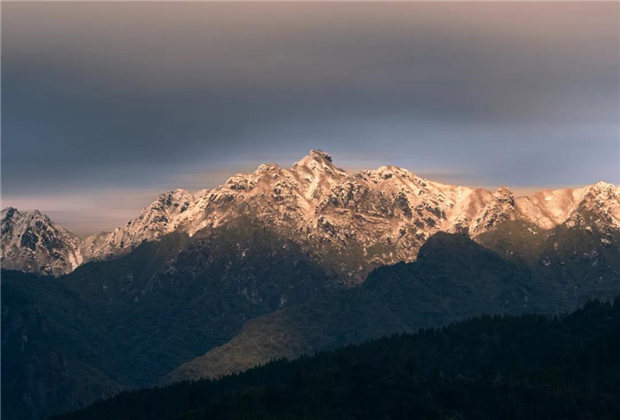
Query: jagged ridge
{"x":350,"y":222}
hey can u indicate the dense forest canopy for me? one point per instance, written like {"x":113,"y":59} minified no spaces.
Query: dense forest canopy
{"x":489,"y":367}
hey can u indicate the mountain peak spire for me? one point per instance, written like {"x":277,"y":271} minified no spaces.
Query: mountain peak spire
{"x":317,"y":160}
{"x":319,"y":154}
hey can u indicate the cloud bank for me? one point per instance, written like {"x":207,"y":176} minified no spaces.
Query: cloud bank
{"x":154,"y":96}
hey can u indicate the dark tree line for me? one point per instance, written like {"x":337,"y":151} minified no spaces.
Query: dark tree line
{"x":489,"y":367}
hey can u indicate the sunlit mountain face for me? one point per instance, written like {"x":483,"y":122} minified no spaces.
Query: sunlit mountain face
{"x":349,"y":222}
{"x":164,"y":223}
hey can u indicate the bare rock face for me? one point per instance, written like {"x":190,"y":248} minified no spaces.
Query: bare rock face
{"x":348,"y":222}
{"x":32,"y":242}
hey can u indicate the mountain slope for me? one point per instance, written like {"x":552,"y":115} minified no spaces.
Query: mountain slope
{"x":453,"y":278}
{"x":143,"y":314}
{"x":172,"y":300}
{"x":31,"y":242}
{"x":51,"y":337}
{"x":156,"y":220}
{"x":485,"y":368}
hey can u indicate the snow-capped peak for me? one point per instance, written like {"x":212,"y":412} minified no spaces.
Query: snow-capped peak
{"x":504,"y":195}
{"x":604,"y":190}
{"x":318,"y":161}
{"x":32,"y":242}
{"x":315,"y":155}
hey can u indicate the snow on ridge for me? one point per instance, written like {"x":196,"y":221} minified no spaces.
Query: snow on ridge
{"x":314,"y":202}
{"x":32,"y":242}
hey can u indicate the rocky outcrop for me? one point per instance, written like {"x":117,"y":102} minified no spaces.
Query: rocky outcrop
{"x":31,"y":242}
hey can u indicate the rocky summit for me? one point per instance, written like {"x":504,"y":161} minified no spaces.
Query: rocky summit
{"x":31,"y":242}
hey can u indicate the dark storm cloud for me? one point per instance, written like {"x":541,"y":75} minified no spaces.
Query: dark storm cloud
{"x":159,"y":95}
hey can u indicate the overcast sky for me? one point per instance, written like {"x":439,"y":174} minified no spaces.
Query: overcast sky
{"x":106,"y":105}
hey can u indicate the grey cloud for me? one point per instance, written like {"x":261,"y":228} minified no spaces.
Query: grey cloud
{"x":115,"y":95}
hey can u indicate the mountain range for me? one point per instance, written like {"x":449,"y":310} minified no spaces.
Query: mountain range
{"x":281,"y":263}
{"x":349,"y":223}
